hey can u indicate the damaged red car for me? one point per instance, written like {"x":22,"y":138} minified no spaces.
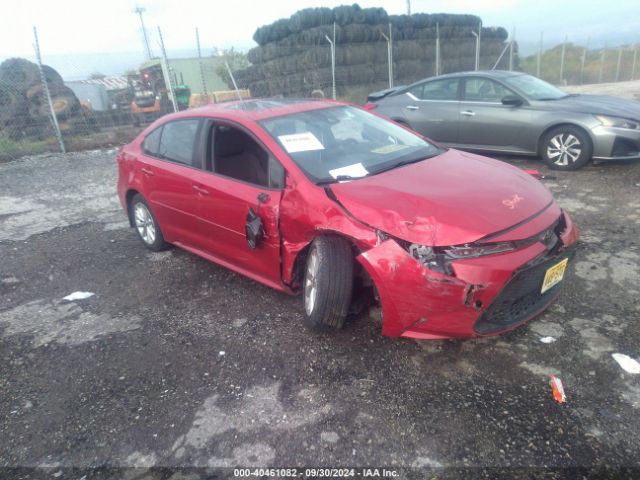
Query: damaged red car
{"x":347,"y":209}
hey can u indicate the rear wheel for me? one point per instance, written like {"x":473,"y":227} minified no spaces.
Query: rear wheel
{"x":566,"y":148}
{"x":146,"y":225}
{"x":328,"y":283}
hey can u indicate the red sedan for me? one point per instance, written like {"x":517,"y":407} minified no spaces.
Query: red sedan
{"x":332,"y":202}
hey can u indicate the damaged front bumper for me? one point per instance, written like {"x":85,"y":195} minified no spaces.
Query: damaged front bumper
{"x":486,"y":296}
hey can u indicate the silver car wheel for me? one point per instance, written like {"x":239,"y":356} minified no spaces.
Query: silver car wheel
{"x":564,"y":149}
{"x":145,"y":224}
{"x":310,"y":282}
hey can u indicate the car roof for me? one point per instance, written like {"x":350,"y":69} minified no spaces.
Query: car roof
{"x":260,"y":109}
{"x":482,"y":73}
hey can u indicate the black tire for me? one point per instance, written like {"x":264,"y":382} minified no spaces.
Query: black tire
{"x":566,"y":148}
{"x":333,"y":282}
{"x":156,"y":242}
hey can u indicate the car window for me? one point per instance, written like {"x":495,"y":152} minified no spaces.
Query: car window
{"x":151,"y":144}
{"x":484,"y":90}
{"x":445,"y":89}
{"x":341,"y":143}
{"x":237,"y":155}
{"x":178,"y":139}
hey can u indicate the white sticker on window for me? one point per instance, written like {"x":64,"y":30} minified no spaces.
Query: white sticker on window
{"x":356,"y":170}
{"x":300,"y":142}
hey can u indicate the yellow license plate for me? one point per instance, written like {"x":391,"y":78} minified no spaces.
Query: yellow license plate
{"x":554,"y":275}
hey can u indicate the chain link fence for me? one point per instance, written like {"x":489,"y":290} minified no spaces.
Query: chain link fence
{"x":40,"y":111}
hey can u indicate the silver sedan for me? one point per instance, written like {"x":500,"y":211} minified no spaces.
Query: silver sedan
{"x":515,"y":113}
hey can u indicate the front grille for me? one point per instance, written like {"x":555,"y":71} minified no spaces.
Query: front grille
{"x":520,"y":299}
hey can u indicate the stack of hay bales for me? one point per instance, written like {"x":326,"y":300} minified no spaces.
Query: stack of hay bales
{"x":24,"y":110}
{"x":293,"y":56}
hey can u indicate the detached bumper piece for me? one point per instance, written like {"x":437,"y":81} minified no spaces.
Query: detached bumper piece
{"x":521,"y":298}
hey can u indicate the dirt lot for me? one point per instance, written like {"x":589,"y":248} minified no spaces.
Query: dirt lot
{"x":178,"y":362}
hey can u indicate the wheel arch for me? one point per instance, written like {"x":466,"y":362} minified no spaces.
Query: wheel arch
{"x":299,"y":262}
{"x":132,"y":192}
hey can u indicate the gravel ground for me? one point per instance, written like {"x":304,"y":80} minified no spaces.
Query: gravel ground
{"x":176,"y":362}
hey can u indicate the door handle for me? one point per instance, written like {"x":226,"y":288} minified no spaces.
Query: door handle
{"x":468,"y":113}
{"x":413,"y":107}
{"x":147,"y":172}
{"x":200,"y":190}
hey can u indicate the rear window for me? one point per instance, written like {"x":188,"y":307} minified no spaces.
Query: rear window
{"x":177,"y":140}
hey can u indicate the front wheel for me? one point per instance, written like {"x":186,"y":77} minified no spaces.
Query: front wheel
{"x":328,"y":283}
{"x":566,"y":148}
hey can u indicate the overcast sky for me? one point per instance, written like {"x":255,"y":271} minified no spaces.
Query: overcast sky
{"x":90,"y":26}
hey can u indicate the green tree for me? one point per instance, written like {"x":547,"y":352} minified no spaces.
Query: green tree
{"x":235,"y":59}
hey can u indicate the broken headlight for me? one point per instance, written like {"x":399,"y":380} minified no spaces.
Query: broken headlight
{"x":439,"y":258}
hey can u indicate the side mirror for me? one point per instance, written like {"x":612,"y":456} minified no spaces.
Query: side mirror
{"x":512,"y":100}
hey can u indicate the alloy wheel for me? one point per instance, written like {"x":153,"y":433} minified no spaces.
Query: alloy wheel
{"x":310,"y":282}
{"x":564,"y":149}
{"x":145,"y":224}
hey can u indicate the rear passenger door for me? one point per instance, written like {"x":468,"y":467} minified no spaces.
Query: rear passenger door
{"x":432,"y":109}
{"x":167,"y":174}
{"x":240,"y":174}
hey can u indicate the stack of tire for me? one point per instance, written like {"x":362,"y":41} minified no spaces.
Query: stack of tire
{"x":293,"y":56}
{"x":24,"y":110}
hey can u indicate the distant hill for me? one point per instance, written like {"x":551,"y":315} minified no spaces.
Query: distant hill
{"x":594,"y":71}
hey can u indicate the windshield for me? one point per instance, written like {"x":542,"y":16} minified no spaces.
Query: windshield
{"x":534,"y":88}
{"x":343,"y":143}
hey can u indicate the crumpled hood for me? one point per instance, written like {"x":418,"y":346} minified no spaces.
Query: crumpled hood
{"x":451,"y":199}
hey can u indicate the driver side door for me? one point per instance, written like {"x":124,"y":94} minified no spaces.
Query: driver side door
{"x":486,"y":123}
{"x":240,"y":175}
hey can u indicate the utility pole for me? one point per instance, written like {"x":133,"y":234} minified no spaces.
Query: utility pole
{"x":408,"y":7}
{"x":140,"y":10}
{"x":633,"y":65}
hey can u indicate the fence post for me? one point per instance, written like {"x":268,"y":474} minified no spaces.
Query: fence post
{"x":618,"y":65}
{"x":389,"y":55}
{"x":564,"y":49}
{"x":602,"y":64}
{"x":47,"y":93}
{"x":168,"y":78}
{"x":583,"y":61}
{"x":477,"y":35}
{"x":513,"y":38}
{"x":333,"y":61}
{"x":204,"y":83}
{"x":437,"y":48}
{"x":539,"y":57}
